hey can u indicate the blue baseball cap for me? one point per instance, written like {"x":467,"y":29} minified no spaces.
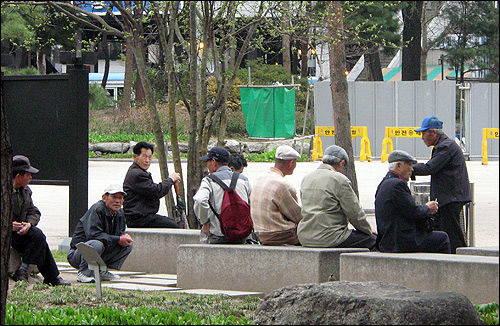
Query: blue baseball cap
{"x":431,"y":122}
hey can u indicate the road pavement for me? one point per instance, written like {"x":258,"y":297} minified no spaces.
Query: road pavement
{"x":53,"y":200}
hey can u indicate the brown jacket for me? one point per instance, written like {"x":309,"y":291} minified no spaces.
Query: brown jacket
{"x":29,"y":212}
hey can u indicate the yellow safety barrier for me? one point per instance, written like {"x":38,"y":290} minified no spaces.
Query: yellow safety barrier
{"x":366,"y":153}
{"x":396,"y":132}
{"x":488,"y":133}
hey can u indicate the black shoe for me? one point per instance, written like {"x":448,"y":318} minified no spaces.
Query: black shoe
{"x":57,"y":281}
{"x":21,"y":275}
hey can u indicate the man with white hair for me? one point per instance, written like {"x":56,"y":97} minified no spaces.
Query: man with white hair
{"x":274,"y":204}
{"x":402,"y":225}
{"x":329,"y":204}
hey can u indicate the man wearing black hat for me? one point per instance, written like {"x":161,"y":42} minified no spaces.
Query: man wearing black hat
{"x":210,"y":193}
{"x":27,"y":239}
{"x":401,"y":223}
{"x":449,"y":179}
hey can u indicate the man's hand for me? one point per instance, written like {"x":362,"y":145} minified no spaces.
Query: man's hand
{"x":176,"y":177}
{"x":21,"y":227}
{"x":206,"y":229}
{"x":125,"y":240}
{"x":433,"y":205}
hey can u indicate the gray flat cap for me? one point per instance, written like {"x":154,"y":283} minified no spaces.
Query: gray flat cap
{"x":287,"y":153}
{"x":398,"y":156}
{"x":335,"y":151}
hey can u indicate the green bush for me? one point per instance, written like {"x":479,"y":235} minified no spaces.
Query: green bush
{"x":489,"y":312}
{"x":99,"y":98}
{"x":21,"y":72}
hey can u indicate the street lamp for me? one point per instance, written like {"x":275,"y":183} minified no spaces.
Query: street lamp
{"x":441,"y":62}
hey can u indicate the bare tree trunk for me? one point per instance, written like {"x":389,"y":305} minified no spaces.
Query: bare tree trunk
{"x":40,"y":63}
{"x":338,"y":79}
{"x":193,"y":166}
{"x":105,"y":50}
{"x":129,"y":71}
{"x":412,"y":36}
{"x":6,"y":226}
{"x":374,"y":66}
{"x":285,"y":39}
{"x":151,"y":105}
{"x":167,"y":32}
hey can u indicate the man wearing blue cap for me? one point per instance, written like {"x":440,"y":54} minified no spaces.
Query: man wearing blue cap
{"x":449,"y":179}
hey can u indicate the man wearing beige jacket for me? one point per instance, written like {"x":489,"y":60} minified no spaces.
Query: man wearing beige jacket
{"x":329,"y":204}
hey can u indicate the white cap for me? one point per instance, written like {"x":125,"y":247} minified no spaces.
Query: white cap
{"x":114,"y":188}
{"x":287,"y":153}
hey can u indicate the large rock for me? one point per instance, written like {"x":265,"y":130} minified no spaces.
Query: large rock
{"x":362,"y":303}
{"x":111,"y":147}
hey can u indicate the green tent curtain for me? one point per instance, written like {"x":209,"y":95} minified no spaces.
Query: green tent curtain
{"x":269,"y":111}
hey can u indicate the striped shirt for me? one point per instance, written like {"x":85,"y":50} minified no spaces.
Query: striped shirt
{"x":273,"y":203}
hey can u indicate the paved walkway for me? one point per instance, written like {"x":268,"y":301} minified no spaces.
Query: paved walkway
{"x":53,"y":200}
{"x":139,"y":281}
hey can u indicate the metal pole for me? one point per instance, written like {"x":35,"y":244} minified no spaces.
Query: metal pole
{"x":305,"y":118}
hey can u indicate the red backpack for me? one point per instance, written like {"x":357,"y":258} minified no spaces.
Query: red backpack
{"x":234,"y":218}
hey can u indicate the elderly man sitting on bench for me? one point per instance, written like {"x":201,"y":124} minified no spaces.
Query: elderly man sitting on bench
{"x":103,"y":228}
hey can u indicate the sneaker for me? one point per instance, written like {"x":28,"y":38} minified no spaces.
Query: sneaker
{"x":108,"y":276}
{"x":57,"y":281}
{"x":21,"y":275}
{"x":82,"y":278}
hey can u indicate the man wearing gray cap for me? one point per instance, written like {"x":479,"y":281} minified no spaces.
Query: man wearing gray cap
{"x":329,"y":204}
{"x":27,"y":238}
{"x":103,"y":228}
{"x":449,"y":179}
{"x":402,"y":225}
{"x":274,"y":204}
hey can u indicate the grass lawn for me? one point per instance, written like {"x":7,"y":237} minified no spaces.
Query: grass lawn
{"x":77,"y":305}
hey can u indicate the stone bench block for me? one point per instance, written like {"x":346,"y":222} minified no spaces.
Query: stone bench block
{"x":479,"y":251}
{"x":473,"y":276}
{"x":254,"y":267}
{"x":155,"y":250}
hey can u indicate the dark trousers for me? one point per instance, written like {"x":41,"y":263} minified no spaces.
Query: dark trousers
{"x":34,"y":249}
{"x":435,"y":242}
{"x":215,"y":239}
{"x":151,"y":221}
{"x":113,"y":256}
{"x":448,"y":220}
{"x":359,"y":239}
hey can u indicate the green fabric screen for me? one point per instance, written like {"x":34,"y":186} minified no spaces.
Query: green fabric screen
{"x":269,"y":111}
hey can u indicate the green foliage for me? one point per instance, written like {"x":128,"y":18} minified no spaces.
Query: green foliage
{"x":264,"y":74}
{"x":59,"y":255}
{"x":112,"y":316}
{"x":99,"y":98}
{"x":77,"y":305}
{"x":475,"y":30}
{"x":123,"y":137}
{"x":489,"y":312}
{"x":20,"y":72}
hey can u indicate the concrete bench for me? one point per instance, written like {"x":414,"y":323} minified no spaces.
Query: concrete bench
{"x":255,"y":268}
{"x":474,"y":276}
{"x":479,"y":251}
{"x":155,"y":250}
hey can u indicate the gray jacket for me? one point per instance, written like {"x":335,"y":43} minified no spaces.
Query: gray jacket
{"x":211,"y":191}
